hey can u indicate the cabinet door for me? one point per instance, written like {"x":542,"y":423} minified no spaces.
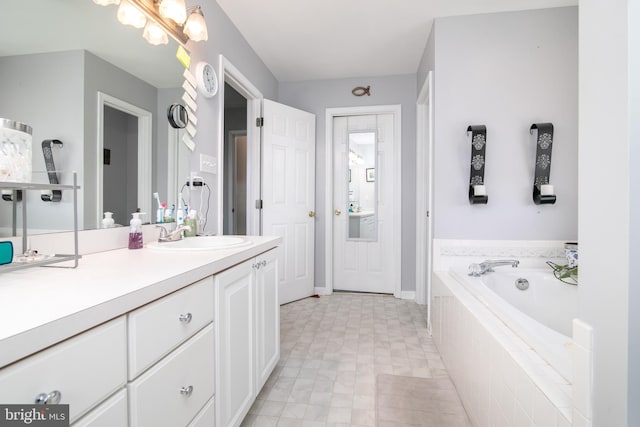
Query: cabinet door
{"x":267,"y":317}
{"x":235,"y":369}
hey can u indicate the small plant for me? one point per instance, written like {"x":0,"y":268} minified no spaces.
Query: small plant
{"x":564,"y":273}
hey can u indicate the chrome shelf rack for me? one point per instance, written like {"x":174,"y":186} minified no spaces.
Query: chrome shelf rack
{"x":57,"y":258}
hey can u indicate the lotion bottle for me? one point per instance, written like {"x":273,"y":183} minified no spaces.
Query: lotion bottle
{"x":135,"y":231}
{"x":108,"y":221}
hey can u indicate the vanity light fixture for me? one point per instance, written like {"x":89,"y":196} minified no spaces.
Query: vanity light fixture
{"x":175,"y":19}
{"x":196,"y":28}
{"x":128,"y":14}
{"x":154,"y":34}
{"x":176,"y":10}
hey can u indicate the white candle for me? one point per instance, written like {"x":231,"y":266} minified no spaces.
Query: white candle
{"x":479,"y":190}
{"x":546,"y":190}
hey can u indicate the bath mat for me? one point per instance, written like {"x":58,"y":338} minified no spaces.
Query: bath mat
{"x":409,"y":401}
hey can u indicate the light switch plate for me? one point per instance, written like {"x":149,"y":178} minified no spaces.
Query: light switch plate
{"x":208,"y":164}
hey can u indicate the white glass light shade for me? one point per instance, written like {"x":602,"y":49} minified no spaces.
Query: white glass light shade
{"x":154,"y":34}
{"x":196,"y":27}
{"x":128,"y":14}
{"x":106,"y":2}
{"x":176,"y":10}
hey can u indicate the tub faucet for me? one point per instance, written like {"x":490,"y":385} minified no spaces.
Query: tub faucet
{"x":477,"y":270}
{"x":174,"y":235}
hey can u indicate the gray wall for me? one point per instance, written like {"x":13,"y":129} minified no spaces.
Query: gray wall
{"x":609,"y":220}
{"x":225,"y":39}
{"x":315,"y":97}
{"x":101,"y":76}
{"x":505,"y":71}
{"x":45,"y":91}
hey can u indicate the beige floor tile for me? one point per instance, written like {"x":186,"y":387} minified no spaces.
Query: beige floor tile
{"x":332,"y":351}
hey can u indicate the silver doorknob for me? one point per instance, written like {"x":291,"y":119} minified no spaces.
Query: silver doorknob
{"x":52,"y":398}
{"x":186,"y":318}
{"x":186,"y":391}
{"x":338,"y":212}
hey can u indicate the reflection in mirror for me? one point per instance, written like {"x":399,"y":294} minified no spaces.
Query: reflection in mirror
{"x":55,"y":55}
{"x":362,"y":201}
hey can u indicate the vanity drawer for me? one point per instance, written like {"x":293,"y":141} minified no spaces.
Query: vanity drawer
{"x":206,"y":417}
{"x":85,"y":369}
{"x":111,"y":413}
{"x":160,"y":398}
{"x":159,"y":327}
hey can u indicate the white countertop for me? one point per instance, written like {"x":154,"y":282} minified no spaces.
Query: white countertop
{"x":41,"y":306}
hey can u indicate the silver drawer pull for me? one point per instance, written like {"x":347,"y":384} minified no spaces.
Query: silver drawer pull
{"x":186,"y":391}
{"x":264,"y":263}
{"x":186,"y":318}
{"x":256,"y":266}
{"x":52,"y":398}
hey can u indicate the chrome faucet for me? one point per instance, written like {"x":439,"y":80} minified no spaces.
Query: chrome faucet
{"x":172,"y":236}
{"x":477,"y":270}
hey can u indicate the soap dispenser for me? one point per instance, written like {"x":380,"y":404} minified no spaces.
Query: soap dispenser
{"x":135,"y":232}
{"x":108,"y":221}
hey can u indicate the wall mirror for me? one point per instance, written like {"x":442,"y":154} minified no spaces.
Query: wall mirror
{"x":362,"y":192}
{"x":64,"y":53}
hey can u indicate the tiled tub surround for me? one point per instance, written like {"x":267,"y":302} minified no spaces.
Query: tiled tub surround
{"x":500,"y":378}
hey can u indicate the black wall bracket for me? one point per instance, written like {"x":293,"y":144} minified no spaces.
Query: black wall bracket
{"x":543,"y":193}
{"x":53,"y":195}
{"x":477,"y":190}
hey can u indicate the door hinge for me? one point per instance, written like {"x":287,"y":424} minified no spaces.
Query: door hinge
{"x":259,"y":204}
{"x":259,"y":122}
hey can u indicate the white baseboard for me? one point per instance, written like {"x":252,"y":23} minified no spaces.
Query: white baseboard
{"x":321,"y":291}
{"x":408,"y":295}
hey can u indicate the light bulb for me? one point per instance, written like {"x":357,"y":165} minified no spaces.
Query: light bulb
{"x":176,"y":10}
{"x":128,"y":14}
{"x":106,"y":2}
{"x":196,"y":27}
{"x":154,"y":34}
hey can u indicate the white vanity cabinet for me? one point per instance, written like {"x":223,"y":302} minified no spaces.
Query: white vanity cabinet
{"x":247,"y":334}
{"x":192,"y":354}
{"x":171,"y":357}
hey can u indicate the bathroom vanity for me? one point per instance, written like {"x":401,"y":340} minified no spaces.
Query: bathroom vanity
{"x":142,"y":337}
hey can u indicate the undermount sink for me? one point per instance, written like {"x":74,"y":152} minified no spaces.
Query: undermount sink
{"x":201,"y":243}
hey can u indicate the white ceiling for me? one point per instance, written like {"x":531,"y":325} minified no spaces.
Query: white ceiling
{"x":330,"y":39}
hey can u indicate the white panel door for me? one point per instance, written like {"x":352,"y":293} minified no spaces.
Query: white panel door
{"x":364,"y":264}
{"x":288,"y":180}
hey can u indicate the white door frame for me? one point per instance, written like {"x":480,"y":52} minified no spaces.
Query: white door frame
{"x":396,"y":257}
{"x":424,"y":194}
{"x":145,"y":121}
{"x":228,"y":73}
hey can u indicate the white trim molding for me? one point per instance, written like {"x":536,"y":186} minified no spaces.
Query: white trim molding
{"x":228,"y":73}
{"x":424,"y":193}
{"x":396,"y":251}
{"x":145,"y":123}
